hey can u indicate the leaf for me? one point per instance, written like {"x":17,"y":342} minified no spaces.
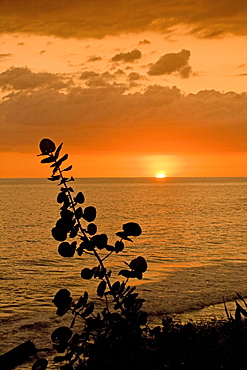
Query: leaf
{"x":101,"y":288}
{"x":91,"y":229}
{"x":62,"y":301}
{"x":116,"y":287}
{"x":86,"y":273}
{"x":40,"y":364}
{"x":130,"y":290}
{"x":122,"y":235}
{"x":48,"y":159}
{"x":60,"y":161}
{"x":132,"y":229}
{"x":142,"y":318}
{"x":126,"y":273}
{"x":81,"y":303}
{"x":68,"y":168}
{"x":47,"y":146}
{"x":240,"y":297}
{"x":119,"y":246}
{"x":65,"y":225}
{"x":59,"y":359}
{"x":67,"y":250}
{"x":138,"y":264}
{"x":100,"y":240}
{"x":72,"y":322}
{"x":78,"y":213}
{"x":89,"y":214}
{"x":58,"y":151}
{"x":110,"y":248}
{"x":66,"y":214}
{"x":60,"y":296}
{"x":79,"y":198}
{"x":85,"y":296}
{"x":241,"y":309}
{"x":237,"y":313}
{"x":62,"y":334}
{"x":89,"y":309}
{"x":54,"y":178}
{"x":59,"y":234}
{"x":122,"y":287}
{"x":61,"y":197}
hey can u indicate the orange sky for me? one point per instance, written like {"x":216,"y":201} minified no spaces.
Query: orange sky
{"x":130,"y":90}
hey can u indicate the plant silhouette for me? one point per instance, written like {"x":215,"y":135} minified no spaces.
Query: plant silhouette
{"x":118,"y":336}
{"x":115,"y":336}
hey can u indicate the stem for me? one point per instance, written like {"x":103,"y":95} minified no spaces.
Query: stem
{"x":72,"y":205}
{"x":115,"y":297}
{"x":107,"y":256}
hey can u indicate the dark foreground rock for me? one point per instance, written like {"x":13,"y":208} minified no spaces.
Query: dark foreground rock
{"x":17,"y":355}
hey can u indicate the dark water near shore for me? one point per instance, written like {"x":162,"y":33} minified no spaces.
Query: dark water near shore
{"x":194,"y":239}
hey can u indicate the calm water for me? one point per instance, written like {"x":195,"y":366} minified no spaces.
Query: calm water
{"x":194,"y":239}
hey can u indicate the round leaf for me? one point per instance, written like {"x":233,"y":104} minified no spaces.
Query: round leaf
{"x":100,"y":240}
{"x":67,"y":250}
{"x":62,"y":334}
{"x":138,"y":264}
{"x":47,"y":146}
{"x":86,"y":273}
{"x":61,"y":197}
{"x":89,"y":214}
{"x":132,"y":229}
{"x":119,"y":246}
{"x":79,"y":198}
{"x":59,"y":234}
{"x":91,"y":229}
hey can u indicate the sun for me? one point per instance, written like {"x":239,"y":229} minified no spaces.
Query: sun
{"x":160,"y":175}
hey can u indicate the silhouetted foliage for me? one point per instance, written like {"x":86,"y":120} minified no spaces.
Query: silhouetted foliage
{"x":115,"y":336}
{"x":118,"y":336}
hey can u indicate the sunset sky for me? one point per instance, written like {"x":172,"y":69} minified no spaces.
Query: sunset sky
{"x":131,"y":87}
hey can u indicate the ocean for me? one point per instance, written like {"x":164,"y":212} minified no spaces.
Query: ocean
{"x":194,"y":240}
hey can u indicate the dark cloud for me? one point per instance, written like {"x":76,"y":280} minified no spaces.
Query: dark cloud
{"x":88,"y":74}
{"x":94,"y":58}
{"x":128,"y":57}
{"x":23,"y":78}
{"x":5,"y":56}
{"x":76,"y":18}
{"x":172,"y":62}
{"x":133,"y":76}
{"x":105,"y":79}
{"x":144,"y":42}
{"x":102,"y":116}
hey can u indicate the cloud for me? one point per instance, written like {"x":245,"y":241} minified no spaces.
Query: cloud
{"x":172,"y":62}
{"x":88,"y":74}
{"x":133,"y":76}
{"x":144,"y":42}
{"x":5,"y":56}
{"x":94,"y":58}
{"x":80,"y":19}
{"x":103,"y":117}
{"x":22,"y":78}
{"x":105,"y":79}
{"x":128,"y":57}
